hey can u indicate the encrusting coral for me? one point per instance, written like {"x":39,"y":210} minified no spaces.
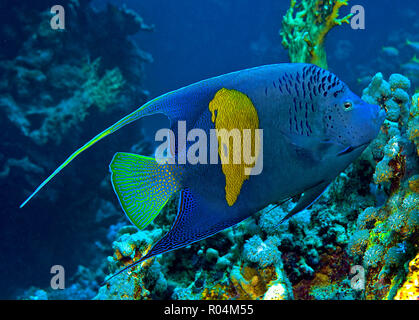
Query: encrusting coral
{"x":305,"y":26}
{"x":368,"y":216}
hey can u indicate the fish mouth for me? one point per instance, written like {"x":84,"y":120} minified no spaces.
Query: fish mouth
{"x":352,"y":148}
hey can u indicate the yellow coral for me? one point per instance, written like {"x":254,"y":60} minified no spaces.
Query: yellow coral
{"x":410,"y":289}
{"x":218,"y":292}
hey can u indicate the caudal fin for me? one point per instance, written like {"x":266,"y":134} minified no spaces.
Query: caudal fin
{"x":142,"y":185}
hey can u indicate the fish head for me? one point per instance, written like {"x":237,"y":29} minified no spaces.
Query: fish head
{"x":351,"y":123}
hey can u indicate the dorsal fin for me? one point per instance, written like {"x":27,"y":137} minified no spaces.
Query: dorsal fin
{"x":176,"y":105}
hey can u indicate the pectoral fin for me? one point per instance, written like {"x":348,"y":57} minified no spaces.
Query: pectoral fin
{"x":308,"y":198}
{"x":313,"y":149}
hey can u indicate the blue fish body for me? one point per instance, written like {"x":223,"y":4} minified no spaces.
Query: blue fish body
{"x":296,"y":158}
{"x":313,"y":128}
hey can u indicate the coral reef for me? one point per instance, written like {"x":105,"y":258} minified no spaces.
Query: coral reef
{"x":394,"y":54}
{"x":50,"y":84}
{"x":53,"y":78}
{"x":243,"y":262}
{"x":410,"y":289}
{"x":367,"y":217}
{"x":305,"y":26}
{"x":364,"y":218}
{"x":221,"y":272}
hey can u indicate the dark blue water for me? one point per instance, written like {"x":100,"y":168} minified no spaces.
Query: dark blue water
{"x":193,"y":42}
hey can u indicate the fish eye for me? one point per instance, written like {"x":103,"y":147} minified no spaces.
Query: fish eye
{"x":347,"y":105}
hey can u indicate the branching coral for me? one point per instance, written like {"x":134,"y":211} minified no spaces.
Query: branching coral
{"x":102,"y":91}
{"x":390,"y":231}
{"x":305,"y":26}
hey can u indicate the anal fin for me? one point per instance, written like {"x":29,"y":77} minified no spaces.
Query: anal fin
{"x":195,"y":220}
